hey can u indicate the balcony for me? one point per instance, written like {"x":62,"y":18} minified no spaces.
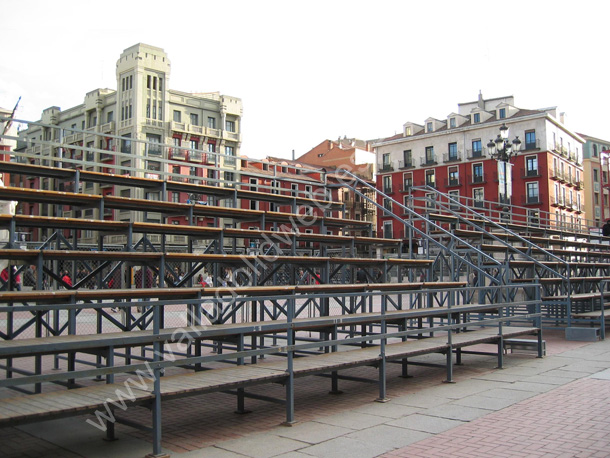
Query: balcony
{"x":406,"y":187}
{"x":405,"y":164}
{"x":531,"y":200}
{"x":388,"y":190}
{"x":478,"y":179}
{"x":530,"y":173}
{"x":452,"y":157}
{"x":177,"y":154}
{"x":476,"y":154}
{"x":196,"y":156}
{"x":529,"y":146}
{"x":154,"y":150}
{"x":579,"y":184}
{"x":429,"y":160}
{"x":387,"y":167}
{"x":452,"y":182}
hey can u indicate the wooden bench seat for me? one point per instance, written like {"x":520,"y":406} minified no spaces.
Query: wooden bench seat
{"x":170,"y":185}
{"x":90,"y":342}
{"x":38,"y":407}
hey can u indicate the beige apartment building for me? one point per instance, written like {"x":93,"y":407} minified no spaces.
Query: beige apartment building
{"x":143,"y":128}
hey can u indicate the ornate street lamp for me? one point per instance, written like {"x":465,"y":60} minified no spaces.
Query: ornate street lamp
{"x":503,"y":150}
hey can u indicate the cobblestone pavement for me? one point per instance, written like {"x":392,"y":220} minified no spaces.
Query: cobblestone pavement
{"x":555,"y":406}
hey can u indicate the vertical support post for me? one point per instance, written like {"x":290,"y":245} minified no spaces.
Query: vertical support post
{"x":157,"y":356}
{"x":501,"y":337}
{"x":334,"y":374}
{"x":538,"y":320}
{"x":290,"y":363}
{"x":110,"y":432}
{"x":450,"y":343}
{"x":382,"y":361}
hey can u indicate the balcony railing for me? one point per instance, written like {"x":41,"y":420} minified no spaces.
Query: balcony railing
{"x":529,"y":173}
{"x":476,"y":154}
{"x":452,"y":157}
{"x":387,"y":167}
{"x":528,"y":146}
{"x":449,"y":182}
{"x":405,"y":164}
{"x":478,"y":179}
{"x":428,"y":160}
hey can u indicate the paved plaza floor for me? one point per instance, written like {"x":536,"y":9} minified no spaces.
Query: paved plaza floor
{"x":557,"y":406}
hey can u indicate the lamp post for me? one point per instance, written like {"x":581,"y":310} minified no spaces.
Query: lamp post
{"x":503,"y":150}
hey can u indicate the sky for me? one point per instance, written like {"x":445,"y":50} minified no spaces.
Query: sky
{"x":307,"y":71}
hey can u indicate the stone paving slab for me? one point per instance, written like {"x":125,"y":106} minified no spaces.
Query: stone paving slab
{"x":346,"y":447}
{"x":311,"y":432}
{"x":455,"y":412}
{"x":425,"y":423}
{"x":261,"y":445}
{"x":384,"y":436}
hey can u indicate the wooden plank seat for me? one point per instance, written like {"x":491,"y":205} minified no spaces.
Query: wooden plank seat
{"x":107,"y":226}
{"x":171,"y":208}
{"x":68,"y":296}
{"x":89,"y":342}
{"x":67,"y":174}
{"x":230,"y":259}
{"x":45,"y":406}
{"x":59,"y":404}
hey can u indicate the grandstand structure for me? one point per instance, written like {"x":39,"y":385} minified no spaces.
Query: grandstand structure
{"x":206,"y":293}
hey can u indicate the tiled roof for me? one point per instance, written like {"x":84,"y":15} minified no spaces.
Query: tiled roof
{"x":519,"y":114}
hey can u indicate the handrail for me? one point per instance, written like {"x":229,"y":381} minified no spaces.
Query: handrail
{"x":423,"y":234}
{"x":491,"y":222}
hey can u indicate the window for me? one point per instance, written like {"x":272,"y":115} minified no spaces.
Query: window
{"x":478,"y":195}
{"x":429,"y":154}
{"x":229,"y":178}
{"x":454,"y":176}
{"x":429,"y":127}
{"x":294,"y":190}
{"x":407,"y":158}
{"x":387,"y":229}
{"x":109,"y":117}
{"x":408,"y":131}
{"x":175,"y":197}
{"x":430,"y":200}
{"x":477,"y":173}
{"x":453,"y":152}
{"x":502,"y":113}
{"x":387,"y":204}
{"x":211,"y":122}
{"x":177,"y":116}
{"x":530,"y":139}
{"x":387,"y":184}
{"x":531,"y":166}
{"x":430,"y":178}
{"x":385,"y":165}
{"x":455,"y":195}
{"x":230,"y":152}
{"x":532,"y":192}
{"x":477,"y":148}
{"x":595,"y":150}
{"x":533,"y":218}
{"x":452,"y":123}
{"x":194,"y":119}
{"x":477,"y":118}
{"x":230,"y":126}
{"x":407,"y":181}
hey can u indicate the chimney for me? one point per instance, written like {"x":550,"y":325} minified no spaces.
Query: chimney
{"x":481,"y":102}
{"x":562,"y":118}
